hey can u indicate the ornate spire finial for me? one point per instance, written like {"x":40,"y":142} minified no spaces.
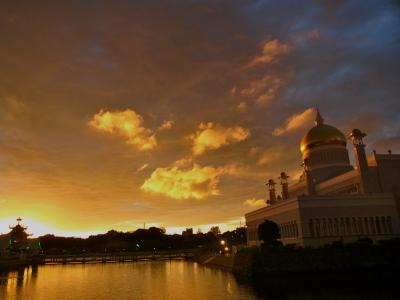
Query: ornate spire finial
{"x":318,"y":118}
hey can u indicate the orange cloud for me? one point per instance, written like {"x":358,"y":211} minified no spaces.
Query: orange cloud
{"x":143,"y":167}
{"x":264,"y":89}
{"x":195,"y":182}
{"x":295,"y":122}
{"x":210,"y":137}
{"x":253,"y":202}
{"x":272,"y":49}
{"x":127,"y":124}
{"x":241,"y":107}
{"x":166,"y":125}
{"x":273,"y":154}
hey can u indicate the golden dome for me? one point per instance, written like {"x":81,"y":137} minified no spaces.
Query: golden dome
{"x":322,"y":134}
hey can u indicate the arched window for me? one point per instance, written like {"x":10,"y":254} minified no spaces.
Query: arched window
{"x":378,"y":225}
{"x":384,"y":227}
{"x":342,"y":227}
{"x":317,"y":228}
{"x":348,"y":227}
{"x":389,"y":224}
{"x":360,"y":226}
{"x":366,"y":226}
{"x":311,"y":227}
{"x":297,"y":229}
{"x":330,"y":227}
{"x":354,"y":226}
{"x":291,"y":229}
{"x":324,"y":227}
{"x":336,"y":226}
{"x":372,"y":225}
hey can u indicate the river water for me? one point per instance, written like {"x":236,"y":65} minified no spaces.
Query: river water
{"x":143,"y":280}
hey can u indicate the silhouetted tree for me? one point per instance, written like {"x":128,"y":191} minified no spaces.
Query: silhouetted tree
{"x":268,"y":232}
{"x":215,"y":230}
{"x":141,"y":240}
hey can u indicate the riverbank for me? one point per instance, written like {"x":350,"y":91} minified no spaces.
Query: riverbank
{"x":279,"y":264}
{"x":13,"y":261}
{"x":222,"y":262}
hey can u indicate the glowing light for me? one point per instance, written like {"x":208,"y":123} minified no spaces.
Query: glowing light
{"x":37,"y":228}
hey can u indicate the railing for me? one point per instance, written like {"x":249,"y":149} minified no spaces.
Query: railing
{"x":116,"y":257}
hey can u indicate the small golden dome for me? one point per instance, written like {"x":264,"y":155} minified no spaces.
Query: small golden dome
{"x":322,"y":134}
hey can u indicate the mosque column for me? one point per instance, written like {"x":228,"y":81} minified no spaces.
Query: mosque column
{"x":361,"y":158}
{"x":309,"y":178}
{"x":285,"y":186}
{"x":272,"y":195}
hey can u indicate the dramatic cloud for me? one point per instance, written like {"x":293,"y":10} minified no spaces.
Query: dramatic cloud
{"x":196,"y":182}
{"x":295,"y":122}
{"x":127,"y":124}
{"x":186,"y":61}
{"x":210,"y":137}
{"x":166,"y":125}
{"x":253,"y":202}
{"x":272,"y":49}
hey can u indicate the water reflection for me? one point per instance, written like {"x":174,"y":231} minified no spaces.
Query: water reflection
{"x":166,"y":280}
{"x":140,"y":280}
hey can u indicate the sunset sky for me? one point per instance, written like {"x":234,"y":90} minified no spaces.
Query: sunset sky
{"x":176,"y":113}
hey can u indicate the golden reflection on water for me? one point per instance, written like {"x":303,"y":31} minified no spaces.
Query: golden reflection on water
{"x":141,"y":280}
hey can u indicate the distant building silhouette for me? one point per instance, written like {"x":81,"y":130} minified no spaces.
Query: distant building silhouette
{"x":17,"y":240}
{"x":187,"y":232}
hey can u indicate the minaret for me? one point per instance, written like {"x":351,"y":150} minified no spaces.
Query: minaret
{"x":309,"y":179}
{"x":272,"y":195}
{"x":319,"y":120}
{"x":285,"y":186}
{"x":361,"y":158}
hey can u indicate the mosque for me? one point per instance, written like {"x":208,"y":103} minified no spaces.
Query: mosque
{"x":334,"y":201}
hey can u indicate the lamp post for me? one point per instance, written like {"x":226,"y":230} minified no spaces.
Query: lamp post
{"x":224,"y":247}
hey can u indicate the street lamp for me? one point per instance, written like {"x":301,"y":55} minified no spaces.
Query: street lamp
{"x":222,"y":242}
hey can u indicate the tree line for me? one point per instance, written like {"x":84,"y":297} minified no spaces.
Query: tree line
{"x":151,"y":239}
